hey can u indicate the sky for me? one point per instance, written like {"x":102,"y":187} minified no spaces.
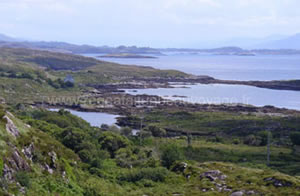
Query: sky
{"x":155,"y":23}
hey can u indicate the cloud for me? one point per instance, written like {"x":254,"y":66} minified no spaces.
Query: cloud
{"x":147,"y":20}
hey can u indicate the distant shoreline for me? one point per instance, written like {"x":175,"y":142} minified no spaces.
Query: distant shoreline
{"x":127,"y":55}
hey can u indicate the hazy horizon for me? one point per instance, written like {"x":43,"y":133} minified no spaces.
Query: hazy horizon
{"x":164,"y":23}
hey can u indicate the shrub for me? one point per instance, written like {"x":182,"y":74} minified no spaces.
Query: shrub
{"x":154,"y":174}
{"x":73,"y":138}
{"x":23,"y":179}
{"x":85,"y":155}
{"x":170,"y":154}
{"x":264,"y":137}
{"x":126,"y":131}
{"x":236,"y":141}
{"x":112,"y":142}
{"x":144,"y":134}
{"x":1,"y":167}
{"x":219,"y":139}
{"x":295,"y":138}
{"x":250,"y":140}
{"x":156,"y":131}
{"x":105,"y":127}
{"x":2,"y":112}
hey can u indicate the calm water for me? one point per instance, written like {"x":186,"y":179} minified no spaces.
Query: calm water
{"x":231,"y":68}
{"x":95,"y":118}
{"x":220,"y":93}
{"x":225,"y":67}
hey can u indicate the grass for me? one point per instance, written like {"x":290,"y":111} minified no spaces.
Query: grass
{"x":223,"y":123}
{"x":201,"y":150}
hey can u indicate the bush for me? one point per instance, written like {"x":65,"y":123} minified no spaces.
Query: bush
{"x":295,"y":138}
{"x":154,"y":174}
{"x":236,"y":141}
{"x":144,"y":134}
{"x":156,"y":131}
{"x":170,"y":154}
{"x":1,"y":167}
{"x":264,"y":137}
{"x":73,"y":138}
{"x":23,"y":179}
{"x":112,"y":142}
{"x":2,"y":112}
{"x":126,"y":131}
{"x":250,"y":140}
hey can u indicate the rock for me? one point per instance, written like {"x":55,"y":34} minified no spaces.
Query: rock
{"x":8,"y":173}
{"x":277,"y":182}
{"x":179,"y":167}
{"x":17,"y":162}
{"x":222,"y":177}
{"x":53,"y":157}
{"x":250,"y":192}
{"x":213,"y":175}
{"x":10,"y":127}
{"x":48,"y":169}
{"x":238,"y":193}
{"x":28,"y":151}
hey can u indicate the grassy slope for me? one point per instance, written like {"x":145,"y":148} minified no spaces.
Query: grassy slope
{"x":79,"y":181}
{"x":24,"y":73}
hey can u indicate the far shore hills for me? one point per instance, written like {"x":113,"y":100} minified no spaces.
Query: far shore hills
{"x":134,"y":51}
{"x":127,"y":55}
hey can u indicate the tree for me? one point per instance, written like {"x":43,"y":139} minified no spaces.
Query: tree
{"x":295,"y":138}
{"x":170,"y":154}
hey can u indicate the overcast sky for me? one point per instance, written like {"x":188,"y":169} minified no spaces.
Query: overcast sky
{"x":156,"y":23}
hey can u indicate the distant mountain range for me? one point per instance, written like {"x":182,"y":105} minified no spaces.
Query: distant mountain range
{"x":7,"y":38}
{"x":292,"y":42}
{"x":286,"y":46}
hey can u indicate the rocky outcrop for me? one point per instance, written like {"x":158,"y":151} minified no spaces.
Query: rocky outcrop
{"x":28,"y":151}
{"x":18,"y":162}
{"x":13,"y":164}
{"x":11,"y":127}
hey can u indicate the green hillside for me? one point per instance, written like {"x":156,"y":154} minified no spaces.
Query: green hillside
{"x":56,"y":153}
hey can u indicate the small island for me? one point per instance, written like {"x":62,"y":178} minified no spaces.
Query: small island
{"x":127,"y":55}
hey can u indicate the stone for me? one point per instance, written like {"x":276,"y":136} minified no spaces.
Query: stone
{"x":277,"y":182}
{"x":237,"y":193}
{"x":250,"y":192}
{"x":213,"y":175}
{"x":180,"y":167}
